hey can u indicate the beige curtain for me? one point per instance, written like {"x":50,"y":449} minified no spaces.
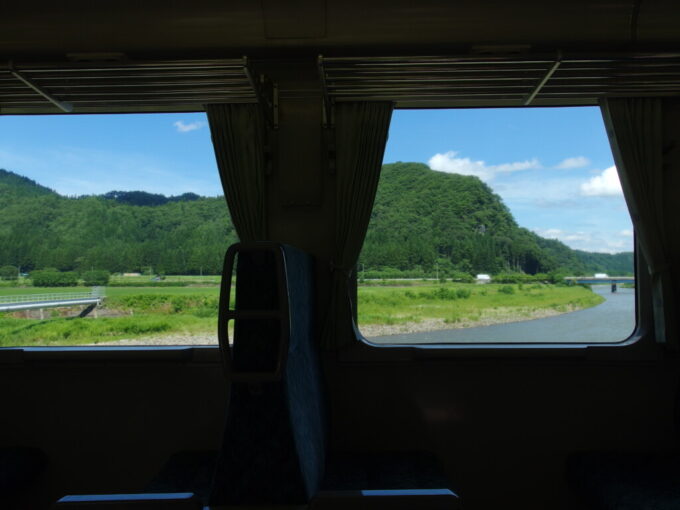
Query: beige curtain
{"x":238,"y":136}
{"x":361,"y":135}
{"x":635,"y":129}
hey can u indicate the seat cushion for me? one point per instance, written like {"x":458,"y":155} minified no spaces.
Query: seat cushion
{"x":384,"y":471}
{"x":186,"y":472}
{"x":19,"y":467}
{"x":626,"y":481}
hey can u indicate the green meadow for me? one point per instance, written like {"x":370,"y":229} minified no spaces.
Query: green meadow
{"x":136,"y":312}
{"x":467,"y":303}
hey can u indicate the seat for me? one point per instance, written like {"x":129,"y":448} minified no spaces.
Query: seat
{"x":174,"y":501}
{"x":625,"y":480}
{"x":273,"y":449}
{"x":274,"y":444}
{"x":20,"y":467}
{"x":275,"y":439}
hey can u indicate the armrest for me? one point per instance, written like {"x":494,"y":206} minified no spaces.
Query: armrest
{"x":405,"y":499}
{"x":146,"y":501}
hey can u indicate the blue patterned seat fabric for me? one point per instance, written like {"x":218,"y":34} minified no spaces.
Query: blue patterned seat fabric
{"x":275,"y":435}
{"x":626,"y":481}
{"x":274,"y":442}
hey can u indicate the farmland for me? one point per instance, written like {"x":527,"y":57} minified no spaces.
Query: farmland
{"x":187,"y":307}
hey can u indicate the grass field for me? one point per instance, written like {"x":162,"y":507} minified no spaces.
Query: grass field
{"x":141,"y":311}
{"x":137,"y":312}
{"x":455,"y":303}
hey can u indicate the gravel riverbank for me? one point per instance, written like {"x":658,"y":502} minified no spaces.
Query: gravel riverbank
{"x":499,"y":315}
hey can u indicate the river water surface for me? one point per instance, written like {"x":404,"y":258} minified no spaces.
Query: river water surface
{"x":611,"y":321}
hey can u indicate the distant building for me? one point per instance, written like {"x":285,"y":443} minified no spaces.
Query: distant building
{"x":132,"y":274}
{"x":601,"y":275}
{"x":483,"y":278}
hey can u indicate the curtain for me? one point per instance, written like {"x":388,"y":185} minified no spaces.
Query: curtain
{"x":635,"y":129}
{"x":361,"y":134}
{"x":238,"y":136}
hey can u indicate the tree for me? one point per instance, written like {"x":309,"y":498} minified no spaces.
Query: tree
{"x":53,"y":278}
{"x":9,"y":273}
{"x":96,"y":277}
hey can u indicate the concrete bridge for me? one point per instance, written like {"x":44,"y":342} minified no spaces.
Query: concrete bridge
{"x":600,"y":280}
{"x":40,"y":301}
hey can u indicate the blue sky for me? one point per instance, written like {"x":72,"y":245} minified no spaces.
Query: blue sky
{"x":552,"y":167}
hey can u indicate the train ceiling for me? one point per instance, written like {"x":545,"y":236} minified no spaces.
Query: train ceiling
{"x":155,"y":55}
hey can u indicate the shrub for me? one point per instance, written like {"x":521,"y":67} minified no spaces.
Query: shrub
{"x":513,"y":278}
{"x":51,"y":278}
{"x":8,"y":273}
{"x":507,"y":289}
{"x":463,"y":293}
{"x":148,"y":284}
{"x":442,"y":293}
{"x":96,"y":277}
{"x":458,"y":276}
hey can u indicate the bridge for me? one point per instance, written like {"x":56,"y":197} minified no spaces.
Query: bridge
{"x":16,"y":303}
{"x":600,"y":280}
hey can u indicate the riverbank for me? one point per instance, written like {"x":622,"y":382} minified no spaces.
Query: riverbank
{"x":187,"y":316}
{"x":491,"y":317}
{"x":502,"y":315}
{"x":499,"y":316}
{"x":611,"y":321}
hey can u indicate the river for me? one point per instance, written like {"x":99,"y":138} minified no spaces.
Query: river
{"x":611,"y":321}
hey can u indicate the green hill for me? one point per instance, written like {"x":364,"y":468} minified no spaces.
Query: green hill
{"x":611,"y":263}
{"x":43,"y":229}
{"x":422,"y":219}
{"x":14,"y":186}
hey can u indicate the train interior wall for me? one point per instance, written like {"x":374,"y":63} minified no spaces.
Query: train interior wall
{"x":502,"y":420}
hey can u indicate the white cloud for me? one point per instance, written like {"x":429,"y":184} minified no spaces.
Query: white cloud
{"x":544,"y":193}
{"x":576,"y":162}
{"x":550,"y":233}
{"x":595,"y":241}
{"x":606,"y":184}
{"x":626,"y":233}
{"x":530,"y":164}
{"x":183,"y":127}
{"x":449,"y":163}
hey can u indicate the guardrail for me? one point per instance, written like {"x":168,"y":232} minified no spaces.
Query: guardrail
{"x":96,"y":292}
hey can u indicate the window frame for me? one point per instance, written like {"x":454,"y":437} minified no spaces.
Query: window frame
{"x":642,"y":332}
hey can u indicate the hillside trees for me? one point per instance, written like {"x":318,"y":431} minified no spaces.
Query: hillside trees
{"x":422,"y":221}
{"x":77,"y":234}
{"x":421,"y":217}
{"x":54,"y":278}
{"x":9,"y":273}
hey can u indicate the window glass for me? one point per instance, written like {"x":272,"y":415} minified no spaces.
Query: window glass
{"x":118,"y":218}
{"x":498,"y":225}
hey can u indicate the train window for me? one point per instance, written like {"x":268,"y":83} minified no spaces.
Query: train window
{"x":498,"y":226}
{"x":115,"y":218}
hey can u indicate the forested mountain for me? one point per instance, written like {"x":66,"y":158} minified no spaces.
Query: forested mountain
{"x":144,"y":198}
{"x":421,"y":219}
{"x":15,"y":186}
{"x":617,"y":263}
{"x":43,"y":229}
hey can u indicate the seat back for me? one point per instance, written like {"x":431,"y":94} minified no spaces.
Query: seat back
{"x":273,"y":449}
